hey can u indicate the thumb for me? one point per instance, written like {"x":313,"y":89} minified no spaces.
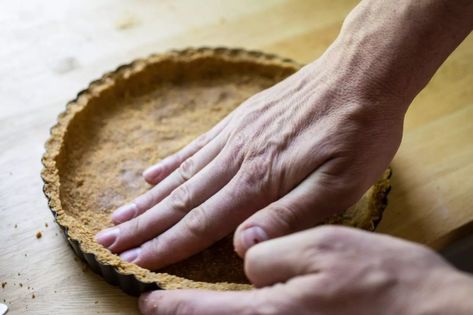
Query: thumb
{"x":200,"y":302}
{"x":314,"y":199}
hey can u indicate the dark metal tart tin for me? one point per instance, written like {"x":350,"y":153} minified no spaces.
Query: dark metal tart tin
{"x":129,"y":283}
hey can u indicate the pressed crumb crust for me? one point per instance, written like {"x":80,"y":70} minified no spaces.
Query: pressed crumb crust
{"x":141,"y":113}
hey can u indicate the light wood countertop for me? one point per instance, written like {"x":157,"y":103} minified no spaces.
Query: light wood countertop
{"x":50,"y":50}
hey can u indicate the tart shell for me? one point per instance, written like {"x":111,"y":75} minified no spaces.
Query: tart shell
{"x":129,"y":277}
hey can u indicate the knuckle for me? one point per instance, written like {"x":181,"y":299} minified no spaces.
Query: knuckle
{"x":252,"y":258}
{"x":145,"y":201}
{"x":129,"y":231}
{"x":226,"y":161}
{"x":328,"y":237}
{"x":181,"y":199}
{"x":134,"y":227}
{"x":197,"y":223}
{"x":288,"y":218}
{"x":256,"y":173}
{"x":220,"y":165}
{"x":152,"y":248}
{"x":184,"y":308}
{"x":350,"y":190}
{"x":186,"y":169}
{"x":236,"y":144}
{"x":202,"y":140}
{"x":341,"y":193}
{"x":264,"y":303}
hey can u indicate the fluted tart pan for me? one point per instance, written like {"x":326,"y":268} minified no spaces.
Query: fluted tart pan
{"x":140,"y":113}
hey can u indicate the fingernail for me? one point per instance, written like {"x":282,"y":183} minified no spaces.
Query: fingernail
{"x":124,"y":213}
{"x":252,"y":236}
{"x":107,"y":237}
{"x":130,"y":255}
{"x":152,"y":172}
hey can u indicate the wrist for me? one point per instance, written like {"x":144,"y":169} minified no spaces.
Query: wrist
{"x":387,"y":51}
{"x":340,"y":70}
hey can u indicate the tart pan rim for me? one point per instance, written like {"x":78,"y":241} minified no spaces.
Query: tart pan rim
{"x":130,"y":283}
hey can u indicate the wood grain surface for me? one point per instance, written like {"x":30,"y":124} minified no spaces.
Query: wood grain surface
{"x":50,"y":50}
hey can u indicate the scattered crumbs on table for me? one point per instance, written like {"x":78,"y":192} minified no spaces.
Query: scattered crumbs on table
{"x":39,"y":234}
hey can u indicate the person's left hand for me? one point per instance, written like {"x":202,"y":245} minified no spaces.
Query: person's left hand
{"x":285,"y":159}
{"x":332,"y":271}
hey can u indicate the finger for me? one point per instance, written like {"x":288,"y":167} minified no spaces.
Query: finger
{"x":162,"y":216}
{"x":305,"y":206}
{"x":302,"y":253}
{"x":200,"y":302}
{"x":162,"y":169}
{"x":186,"y":170}
{"x":201,"y":227}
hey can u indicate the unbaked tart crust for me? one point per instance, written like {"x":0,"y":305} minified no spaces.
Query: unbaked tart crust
{"x":137,"y":115}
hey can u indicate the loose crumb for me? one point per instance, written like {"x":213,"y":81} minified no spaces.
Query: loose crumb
{"x":19,"y":274}
{"x":21,"y":285}
{"x":16,"y":225}
{"x":4,"y":284}
{"x":26,"y":255}
{"x":39,"y":234}
{"x":96,"y":302}
{"x":45,"y":224}
{"x":33,"y":296}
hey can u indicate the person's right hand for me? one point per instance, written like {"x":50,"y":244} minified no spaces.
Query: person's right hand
{"x":331,"y":270}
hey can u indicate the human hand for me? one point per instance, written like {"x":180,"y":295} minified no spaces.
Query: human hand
{"x":331,"y":270}
{"x":284,"y":160}
{"x":303,"y":149}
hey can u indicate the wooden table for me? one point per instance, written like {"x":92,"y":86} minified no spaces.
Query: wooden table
{"x":51,"y":50}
